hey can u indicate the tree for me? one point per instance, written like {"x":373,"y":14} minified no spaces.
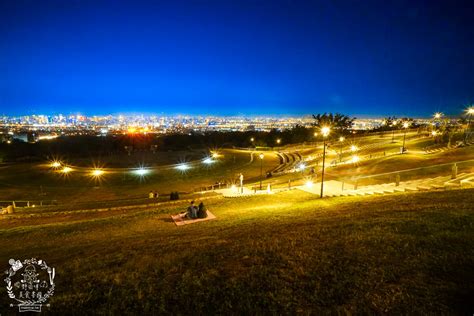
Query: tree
{"x":338,"y":122}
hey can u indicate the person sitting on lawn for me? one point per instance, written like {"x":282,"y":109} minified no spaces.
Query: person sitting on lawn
{"x":192,"y":211}
{"x":201,"y":213}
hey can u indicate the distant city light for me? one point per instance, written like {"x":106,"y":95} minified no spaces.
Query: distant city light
{"x":405,"y":125}
{"x":470,"y":110}
{"x":438,"y":115}
{"x":434,"y":133}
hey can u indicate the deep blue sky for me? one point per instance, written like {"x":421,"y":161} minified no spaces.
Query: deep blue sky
{"x":236,"y":57}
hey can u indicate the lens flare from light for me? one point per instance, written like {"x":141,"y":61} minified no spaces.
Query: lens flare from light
{"x":55,"y":164}
{"x":66,"y":170}
{"x":208,"y":161}
{"x":141,"y":172}
{"x":183,"y":167}
{"x":355,"y":159}
{"x":97,"y":172}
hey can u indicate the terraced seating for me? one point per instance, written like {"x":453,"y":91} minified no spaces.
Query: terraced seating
{"x":424,"y":184}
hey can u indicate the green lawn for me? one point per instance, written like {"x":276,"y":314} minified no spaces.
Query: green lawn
{"x":282,"y":254}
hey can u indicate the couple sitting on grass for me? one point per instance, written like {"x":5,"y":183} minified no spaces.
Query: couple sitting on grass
{"x":194,"y":211}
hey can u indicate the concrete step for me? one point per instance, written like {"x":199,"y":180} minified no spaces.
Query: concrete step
{"x":424,"y":187}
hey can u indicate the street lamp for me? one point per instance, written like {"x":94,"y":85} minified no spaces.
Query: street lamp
{"x":405,"y":125}
{"x":325,"y":131}
{"x":261,"y":169}
{"x":341,"y":140}
{"x":438,"y":115}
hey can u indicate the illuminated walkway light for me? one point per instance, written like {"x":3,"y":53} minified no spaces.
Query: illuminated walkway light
{"x":355,"y":159}
{"x":301,"y":167}
{"x":97,"y":172}
{"x":183,"y":167}
{"x":55,"y":164}
{"x":66,"y":170}
{"x":208,"y":161}
{"x":141,"y":172}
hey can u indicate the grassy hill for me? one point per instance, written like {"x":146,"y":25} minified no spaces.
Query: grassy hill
{"x":284,"y":253}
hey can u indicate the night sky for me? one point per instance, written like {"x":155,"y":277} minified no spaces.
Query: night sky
{"x":236,"y":57}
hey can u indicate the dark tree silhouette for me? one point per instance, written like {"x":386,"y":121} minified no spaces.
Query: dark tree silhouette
{"x":338,"y":122}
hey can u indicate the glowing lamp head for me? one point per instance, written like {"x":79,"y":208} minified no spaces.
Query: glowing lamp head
{"x":405,"y":125}
{"x":315,"y":134}
{"x":66,"y":170}
{"x":325,"y":131}
{"x":261,"y":156}
{"x":278,"y":141}
{"x":309,"y":184}
{"x":355,"y":159}
{"x":301,"y":167}
{"x":208,"y":161}
{"x":434,"y":133}
{"x":438,"y":115}
{"x":354,"y":148}
{"x":97,"y":172}
{"x":470,"y":111}
{"x":141,"y":172}
{"x":341,"y":139}
{"x":215,"y":155}
{"x":252,"y":139}
{"x":183,"y":167}
{"x":55,"y":164}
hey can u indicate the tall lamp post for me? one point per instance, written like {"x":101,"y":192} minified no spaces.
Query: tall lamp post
{"x":325,"y":132}
{"x":470,"y":112}
{"x":394,"y":123}
{"x":341,"y":140}
{"x":261,"y":169}
{"x":405,"y":125}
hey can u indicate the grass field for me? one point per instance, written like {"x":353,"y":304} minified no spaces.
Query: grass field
{"x":39,"y":182}
{"x":282,"y":254}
